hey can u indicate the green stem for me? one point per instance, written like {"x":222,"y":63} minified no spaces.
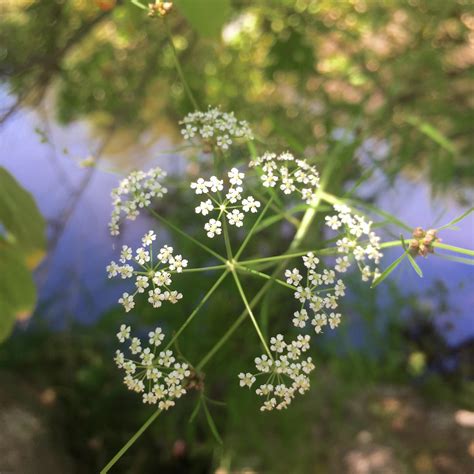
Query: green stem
{"x":228,"y":248}
{"x":178,"y":67}
{"x":264,"y":275}
{"x":129,"y":443}
{"x":202,"y":269}
{"x":287,"y":256}
{"x":250,"y":313}
{"x":187,"y":236}
{"x":252,"y":230}
{"x":197,"y":308}
{"x":453,"y":248}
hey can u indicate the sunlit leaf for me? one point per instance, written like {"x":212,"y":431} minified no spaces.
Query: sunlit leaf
{"x":21,"y":219}
{"x":17,"y":290}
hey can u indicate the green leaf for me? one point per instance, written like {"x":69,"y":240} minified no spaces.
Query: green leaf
{"x":17,"y":290}
{"x":457,"y":219}
{"x":207,"y":17}
{"x":389,"y":270}
{"x":415,"y":266}
{"x":24,"y":225}
{"x":433,"y":133}
{"x":211,"y":423}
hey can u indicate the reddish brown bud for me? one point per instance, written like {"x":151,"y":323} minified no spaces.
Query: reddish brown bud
{"x":418,"y":233}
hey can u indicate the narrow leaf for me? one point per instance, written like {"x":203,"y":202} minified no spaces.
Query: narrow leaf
{"x":415,"y":266}
{"x":211,"y":423}
{"x":433,"y":133}
{"x":457,"y":219}
{"x":389,"y":270}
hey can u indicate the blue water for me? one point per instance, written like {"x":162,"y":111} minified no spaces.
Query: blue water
{"x":72,"y":278}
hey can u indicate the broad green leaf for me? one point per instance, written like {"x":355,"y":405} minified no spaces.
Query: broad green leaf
{"x":207,"y":17}
{"x":389,"y":270}
{"x":457,"y":219}
{"x":22,"y":221}
{"x":433,"y":133}
{"x":17,"y":290}
{"x":415,"y":266}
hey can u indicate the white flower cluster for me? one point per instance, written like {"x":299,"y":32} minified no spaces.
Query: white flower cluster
{"x":286,"y":372}
{"x":231,"y":204}
{"x":319,"y":294}
{"x":157,"y":274}
{"x":289,"y":174}
{"x":366,"y":253}
{"x":134,"y":193}
{"x":156,"y":375}
{"x":215,"y":126}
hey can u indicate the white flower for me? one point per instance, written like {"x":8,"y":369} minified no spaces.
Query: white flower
{"x":334,"y":320}
{"x":250,"y":204}
{"x":148,"y":238}
{"x":205,"y":207}
{"x":293,"y":277}
{"x":215,"y":126}
{"x":127,"y":301}
{"x":277,"y":343}
{"x":124,"y":333}
{"x":200,"y":186}
{"x":156,"y":336}
{"x":342,"y":264}
{"x":135,"y":192}
{"x":246,"y":380}
{"x":235,"y":218}
{"x":310,"y":260}
{"x":300,"y":318}
{"x":213,"y":228}
{"x":235,"y":176}
{"x":155,"y":377}
{"x":177,"y":263}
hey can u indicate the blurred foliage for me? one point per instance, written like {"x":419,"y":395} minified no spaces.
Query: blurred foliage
{"x":87,"y":401}
{"x":22,"y":246}
{"x":300,"y":71}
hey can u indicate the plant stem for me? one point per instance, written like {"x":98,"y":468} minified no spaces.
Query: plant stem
{"x":453,"y":248}
{"x":187,"y":236}
{"x":264,"y":275}
{"x":227,"y":240}
{"x":197,"y":308}
{"x":178,"y":67}
{"x":203,"y":269}
{"x":287,"y":256}
{"x":250,"y":313}
{"x":129,"y":443}
{"x":252,"y":230}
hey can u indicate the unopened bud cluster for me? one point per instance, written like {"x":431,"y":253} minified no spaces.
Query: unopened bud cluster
{"x":159,"y":8}
{"x":422,"y":242}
